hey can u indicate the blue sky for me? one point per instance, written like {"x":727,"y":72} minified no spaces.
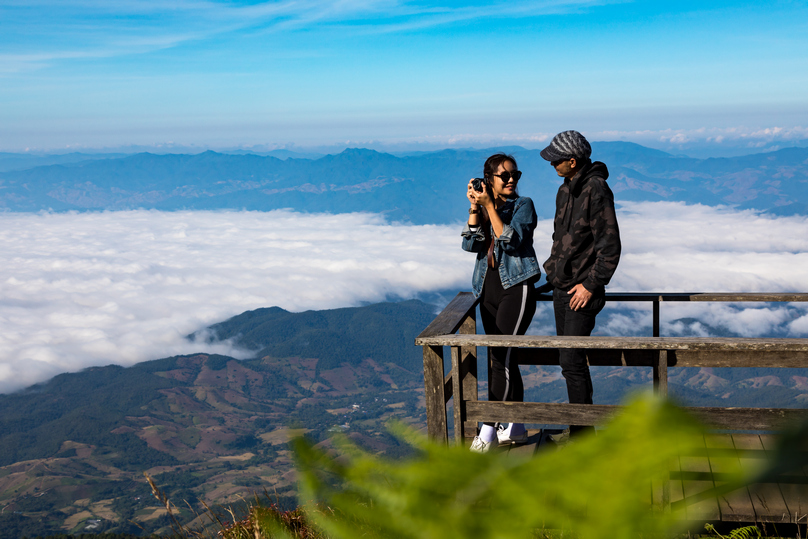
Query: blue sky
{"x":97,"y":73}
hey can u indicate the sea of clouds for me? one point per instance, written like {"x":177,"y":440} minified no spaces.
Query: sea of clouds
{"x":84,"y":289}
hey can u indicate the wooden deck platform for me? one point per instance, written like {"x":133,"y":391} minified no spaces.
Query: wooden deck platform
{"x":783,"y":502}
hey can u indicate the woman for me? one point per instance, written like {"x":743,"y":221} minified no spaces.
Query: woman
{"x":500,"y":230}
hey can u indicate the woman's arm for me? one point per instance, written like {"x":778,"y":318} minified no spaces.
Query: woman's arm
{"x":484,"y":200}
{"x":475,"y":210}
{"x":473,"y":235}
{"x":521,"y":228}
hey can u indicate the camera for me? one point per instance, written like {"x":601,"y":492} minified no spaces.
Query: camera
{"x":477,"y":184}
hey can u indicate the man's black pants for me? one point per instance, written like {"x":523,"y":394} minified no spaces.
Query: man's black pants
{"x":578,"y":323}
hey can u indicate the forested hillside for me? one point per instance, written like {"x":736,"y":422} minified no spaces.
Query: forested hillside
{"x":73,"y":450}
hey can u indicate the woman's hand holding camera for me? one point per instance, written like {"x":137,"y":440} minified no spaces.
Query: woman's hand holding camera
{"x":480,"y":198}
{"x":483,"y":202}
{"x":476,"y":210}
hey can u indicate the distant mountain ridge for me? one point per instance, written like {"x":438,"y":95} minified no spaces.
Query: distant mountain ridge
{"x":422,"y":187}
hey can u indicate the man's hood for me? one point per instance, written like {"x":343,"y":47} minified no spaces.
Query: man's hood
{"x":594,"y":170}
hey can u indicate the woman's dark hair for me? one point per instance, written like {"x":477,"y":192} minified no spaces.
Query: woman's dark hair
{"x":492,"y":164}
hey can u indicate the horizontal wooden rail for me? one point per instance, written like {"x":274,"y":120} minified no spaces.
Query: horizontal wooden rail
{"x":596,"y":414}
{"x":451,"y":317}
{"x":723,"y":344}
{"x":732,"y":297}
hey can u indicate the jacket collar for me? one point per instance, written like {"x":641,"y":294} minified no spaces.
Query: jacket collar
{"x":579,"y":178}
{"x":594,"y":168}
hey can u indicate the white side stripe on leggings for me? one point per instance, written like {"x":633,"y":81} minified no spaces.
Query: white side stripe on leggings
{"x":508,"y":353}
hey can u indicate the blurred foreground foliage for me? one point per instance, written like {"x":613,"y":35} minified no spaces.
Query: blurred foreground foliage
{"x":595,"y":487}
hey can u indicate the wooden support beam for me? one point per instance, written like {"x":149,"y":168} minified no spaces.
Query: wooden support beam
{"x":661,"y":374}
{"x":458,"y":405}
{"x":468,"y":365}
{"x":434,"y":394}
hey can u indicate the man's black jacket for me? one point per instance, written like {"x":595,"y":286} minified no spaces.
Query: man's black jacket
{"x":586,"y":239}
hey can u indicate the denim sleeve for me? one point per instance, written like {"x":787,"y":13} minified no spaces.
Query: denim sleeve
{"x":523,"y":223}
{"x":473,"y":241}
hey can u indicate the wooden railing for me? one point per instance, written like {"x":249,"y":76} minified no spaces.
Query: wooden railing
{"x":456,"y":328}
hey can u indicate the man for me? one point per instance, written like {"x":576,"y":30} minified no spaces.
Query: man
{"x":586,"y":250}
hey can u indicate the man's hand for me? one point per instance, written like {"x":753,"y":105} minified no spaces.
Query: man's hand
{"x":580,"y":298}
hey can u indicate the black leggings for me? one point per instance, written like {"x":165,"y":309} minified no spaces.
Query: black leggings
{"x":505,"y":312}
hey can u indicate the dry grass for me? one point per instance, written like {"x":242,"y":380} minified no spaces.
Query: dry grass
{"x":264,"y":520}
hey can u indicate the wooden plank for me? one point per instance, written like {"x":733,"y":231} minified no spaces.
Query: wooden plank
{"x":538,"y":412}
{"x":735,"y":506}
{"x":433,"y":393}
{"x":747,"y":418}
{"x":528,"y":449}
{"x":696,"y":508}
{"x":469,"y":366}
{"x":457,"y":389}
{"x":725,"y":344}
{"x":596,"y":414}
{"x":767,"y":498}
{"x":793,"y":487}
{"x":451,"y":317}
{"x":676,"y":358}
{"x":747,"y":358}
{"x":677,"y":491}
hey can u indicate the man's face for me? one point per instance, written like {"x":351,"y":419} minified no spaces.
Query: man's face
{"x":566,"y":168}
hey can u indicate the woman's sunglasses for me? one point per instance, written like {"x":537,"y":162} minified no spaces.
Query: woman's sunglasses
{"x":506,"y":176}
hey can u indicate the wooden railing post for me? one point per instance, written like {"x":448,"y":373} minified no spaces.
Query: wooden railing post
{"x":468,"y":364}
{"x":434,"y":395}
{"x":656,"y":317}
{"x":661,"y":389}
{"x":458,"y":405}
{"x":661,"y":374}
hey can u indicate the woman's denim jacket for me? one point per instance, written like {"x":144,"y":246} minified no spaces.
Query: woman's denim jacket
{"x":513,"y":249}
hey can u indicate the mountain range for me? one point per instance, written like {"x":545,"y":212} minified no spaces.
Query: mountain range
{"x":419,"y":188}
{"x":73,"y":450}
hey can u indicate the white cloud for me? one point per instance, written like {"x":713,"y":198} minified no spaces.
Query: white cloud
{"x":712,"y":142}
{"x":109,"y":29}
{"x":121,"y":287}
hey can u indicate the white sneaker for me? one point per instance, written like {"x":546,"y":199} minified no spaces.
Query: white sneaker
{"x":506,"y":438}
{"x":480,"y":446}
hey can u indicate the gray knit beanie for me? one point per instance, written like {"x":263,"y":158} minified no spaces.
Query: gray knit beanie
{"x":567,"y":145}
